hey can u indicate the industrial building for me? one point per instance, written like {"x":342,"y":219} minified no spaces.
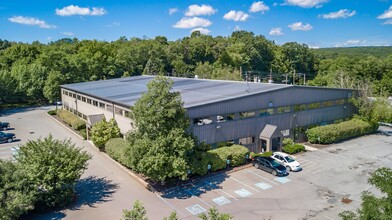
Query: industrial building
{"x":256,"y":115}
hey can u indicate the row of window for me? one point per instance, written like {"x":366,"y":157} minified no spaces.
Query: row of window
{"x":96,"y":103}
{"x":271,"y":111}
{"x":75,"y":112}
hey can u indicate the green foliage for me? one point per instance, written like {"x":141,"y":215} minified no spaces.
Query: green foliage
{"x":72,"y":120}
{"x":217,"y":159}
{"x":288,"y":141}
{"x":160,"y":144}
{"x":138,"y":212}
{"x":293,"y":149}
{"x":213,"y":214}
{"x":265,"y":154}
{"x":381,"y":111}
{"x":52,"y":112}
{"x":173,"y":216}
{"x":336,"y":132}
{"x":17,"y":196}
{"x":373,"y":207}
{"x":103,"y":131}
{"x":52,"y":167}
{"x":117,"y":149}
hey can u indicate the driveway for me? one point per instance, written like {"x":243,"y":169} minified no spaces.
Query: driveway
{"x":331,"y":181}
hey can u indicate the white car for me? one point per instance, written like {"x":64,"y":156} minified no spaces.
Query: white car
{"x":287,"y":161}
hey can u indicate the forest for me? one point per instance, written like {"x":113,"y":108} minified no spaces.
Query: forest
{"x":30,"y":73}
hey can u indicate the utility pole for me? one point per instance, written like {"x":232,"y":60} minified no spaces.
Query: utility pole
{"x":240,"y":71}
{"x":304,"y":79}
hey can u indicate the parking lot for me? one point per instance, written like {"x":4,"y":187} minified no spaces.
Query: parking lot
{"x":331,"y":181}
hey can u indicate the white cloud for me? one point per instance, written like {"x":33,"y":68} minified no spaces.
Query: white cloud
{"x":259,"y":6}
{"x":114,"y":24}
{"x":388,"y":22}
{"x":196,"y":10}
{"x":343,"y":13}
{"x":68,"y":33}
{"x":31,"y":21}
{"x":76,"y":10}
{"x":237,"y":28}
{"x":313,"y":46}
{"x":201,"y":30}
{"x":192,"y":23}
{"x":172,"y":10}
{"x":236,"y":16}
{"x":387,"y":14}
{"x":275,"y":4}
{"x":276,"y":32}
{"x":306,"y":3}
{"x":351,"y":43}
{"x":298,"y":26}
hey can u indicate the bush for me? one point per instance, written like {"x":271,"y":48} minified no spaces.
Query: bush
{"x":336,"y":132}
{"x":293,"y":149}
{"x":72,"y":120}
{"x":82,"y":132}
{"x":217,"y":158}
{"x":116,"y":148}
{"x":103,"y":131}
{"x":288,"y":141}
{"x":265,"y":154}
{"x":52,"y":112}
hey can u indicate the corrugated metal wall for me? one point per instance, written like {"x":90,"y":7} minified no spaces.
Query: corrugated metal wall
{"x":247,"y":127}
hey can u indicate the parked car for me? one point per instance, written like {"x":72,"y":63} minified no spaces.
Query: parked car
{"x":270,"y":165}
{"x":287,"y":161}
{"x":6,"y":137}
{"x":4,"y":125}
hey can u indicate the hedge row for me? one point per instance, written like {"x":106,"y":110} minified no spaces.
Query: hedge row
{"x":336,"y":132}
{"x":72,"y":120}
{"x":293,"y":149}
{"x":116,"y":148}
{"x":217,"y":158}
{"x":265,"y":154}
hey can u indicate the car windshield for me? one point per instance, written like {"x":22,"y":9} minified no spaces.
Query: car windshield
{"x":289,"y":159}
{"x":274,"y":163}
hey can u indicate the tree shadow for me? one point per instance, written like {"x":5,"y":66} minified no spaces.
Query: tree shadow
{"x":93,"y":190}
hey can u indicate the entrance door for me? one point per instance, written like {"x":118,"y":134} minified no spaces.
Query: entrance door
{"x":276,"y":144}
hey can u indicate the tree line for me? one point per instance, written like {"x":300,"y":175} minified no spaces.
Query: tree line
{"x":32,"y":72}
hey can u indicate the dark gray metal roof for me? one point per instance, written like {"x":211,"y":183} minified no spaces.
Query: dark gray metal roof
{"x":194,"y":92}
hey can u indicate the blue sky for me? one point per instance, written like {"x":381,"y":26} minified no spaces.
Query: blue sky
{"x":318,"y":23}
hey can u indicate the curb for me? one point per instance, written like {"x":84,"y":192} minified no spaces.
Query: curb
{"x":133,"y":175}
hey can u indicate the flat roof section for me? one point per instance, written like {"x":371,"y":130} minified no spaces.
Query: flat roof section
{"x":194,"y":92}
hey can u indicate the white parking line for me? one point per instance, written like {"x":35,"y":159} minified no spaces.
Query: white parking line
{"x":198,"y":198}
{"x":170,"y":205}
{"x":222,"y":191}
{"x":329,"y":217}
{"x":317,"y":171}
{"x":262,"y":177}
{"x":244,"y":184}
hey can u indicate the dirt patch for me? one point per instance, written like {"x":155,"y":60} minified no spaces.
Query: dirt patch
{"x":346,"y":200}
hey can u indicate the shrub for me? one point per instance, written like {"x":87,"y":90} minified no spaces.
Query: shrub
{"x":116,"y":148}
{"x":293,"y":149}
{"x":72,"y":120}
{"x":103,"y":131}
{"x":265,"y":154}
{"x":52,"y":112}
{"x":288,"y":141}
{"x":337,"y":132}
{"x":236,"y":154}
{"x":82,"y":132}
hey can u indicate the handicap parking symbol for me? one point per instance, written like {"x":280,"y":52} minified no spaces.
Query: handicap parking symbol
{"x":243,"y":192}
{"x":282,"y":180}
{"x":221,"y":201}
{"x":263,"y":185}
{"x":195,"y":209}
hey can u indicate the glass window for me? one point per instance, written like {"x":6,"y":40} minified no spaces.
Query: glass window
{"x":95,"y":103}
{"x":339,"y":102}
{"x":109,"y":108}
{"x":101,"y":105}
{"x":283,"y":109}
{"x":298,"y":108}
{"x":314,"y":105}
{"x":78,"y":97}
{"x":118,"y":111}
{"x":83,"y":99}
{"x":247,"y":140}
{"x":247,"y":114}
{"x":73,"y":95}
{"x":328,"y":103}
{"x":88,"y":101}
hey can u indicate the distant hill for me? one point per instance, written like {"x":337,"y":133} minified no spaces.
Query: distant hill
{"x":379,"y":52}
